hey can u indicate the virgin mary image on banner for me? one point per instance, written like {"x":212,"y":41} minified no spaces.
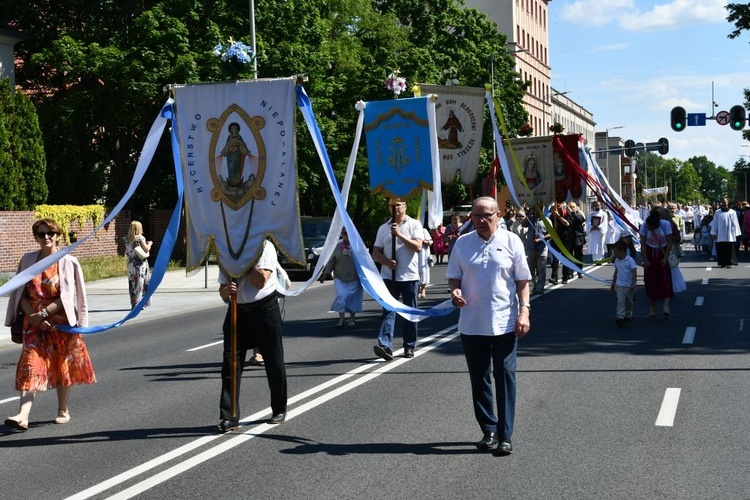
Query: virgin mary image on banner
{"x":234,"y":155}
{"x":534,"y":176}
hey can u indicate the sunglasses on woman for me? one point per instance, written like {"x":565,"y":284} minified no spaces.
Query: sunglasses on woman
{"x":47,"y":234}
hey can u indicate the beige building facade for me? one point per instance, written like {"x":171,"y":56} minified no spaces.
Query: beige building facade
{"x":525,"y":24}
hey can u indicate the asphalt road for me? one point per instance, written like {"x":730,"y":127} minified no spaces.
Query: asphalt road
{"x":658,"y":409}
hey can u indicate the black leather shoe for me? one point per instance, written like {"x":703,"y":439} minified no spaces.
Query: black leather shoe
{"x":488,"y":441}
{"x":383,"y":352}
{"x":408,"y":352}
{"x":227,"y":425}
{"x":505,"y":447}
{"x":277,"y":418}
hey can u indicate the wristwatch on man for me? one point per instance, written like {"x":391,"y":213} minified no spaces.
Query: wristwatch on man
{"x":527,"y":306}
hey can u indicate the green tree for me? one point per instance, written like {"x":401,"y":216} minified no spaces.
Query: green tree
{"x":22,"y":161}
{"x":99,"y":76}
{"x":11,"y":197}
{"x":688,"y":188}
{"x":715,"y":181}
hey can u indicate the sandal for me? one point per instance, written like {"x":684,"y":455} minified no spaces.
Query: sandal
{"x":63,"y":417}
{"x":19,"y":425}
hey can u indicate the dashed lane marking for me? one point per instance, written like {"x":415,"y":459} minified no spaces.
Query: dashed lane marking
{"x":668,"y":407}
{"x":689,"y":335}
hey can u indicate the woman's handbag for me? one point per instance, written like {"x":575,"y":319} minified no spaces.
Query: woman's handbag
{"x":140,"y":252}
{"x":672,"y":260}
{"x":16,"y":329}
{"x":678,"y":251}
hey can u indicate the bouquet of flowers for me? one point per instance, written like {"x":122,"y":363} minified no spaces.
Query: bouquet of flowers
{"x":234,"y":57}
{"x":395,"y":83}
{"x":556,"y":128}
{"x":525,"y":130}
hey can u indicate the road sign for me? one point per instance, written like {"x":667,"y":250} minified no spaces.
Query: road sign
{"x":722,"y":117}
{"x":696,"y":119}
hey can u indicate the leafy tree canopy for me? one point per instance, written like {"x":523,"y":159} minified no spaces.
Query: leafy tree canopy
{"x":98,"y":73}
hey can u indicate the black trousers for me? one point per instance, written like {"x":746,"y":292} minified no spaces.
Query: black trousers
{"x":567,"y":273}
{"x":258,"y":325}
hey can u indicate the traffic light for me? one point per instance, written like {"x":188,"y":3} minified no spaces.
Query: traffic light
{"x":737,"y":117}
{"x":663,"y":146}
{"x":678,"y":118}
{"x":630,"y":148}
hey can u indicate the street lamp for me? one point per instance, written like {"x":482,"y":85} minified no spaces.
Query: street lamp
{"x":548,"y":98}
{"x":606,"y":144}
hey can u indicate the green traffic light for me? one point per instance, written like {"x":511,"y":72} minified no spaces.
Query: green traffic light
{"x":678,"y":125}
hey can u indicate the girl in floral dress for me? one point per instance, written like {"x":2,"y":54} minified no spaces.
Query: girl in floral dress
{"x":50,"y":357}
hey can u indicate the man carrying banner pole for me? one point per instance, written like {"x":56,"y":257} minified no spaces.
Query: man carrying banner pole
{"x":253,"y":320}
{"x":400,"y":134}
{"x":402,"y":236}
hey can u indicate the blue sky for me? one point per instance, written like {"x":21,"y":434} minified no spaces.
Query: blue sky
{"x":629,"y":62}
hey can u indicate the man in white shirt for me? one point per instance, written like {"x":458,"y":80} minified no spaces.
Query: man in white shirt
{"x":489,"y":280}
{"x":725,"y":228}
{"x":596,"y":227}
{"x":258,"y":325}
{"x":400,"y":274}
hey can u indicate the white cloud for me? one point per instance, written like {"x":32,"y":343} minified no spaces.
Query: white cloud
{"x":609,"y":48}
{"x":629,"y":16}
{"x":595,"y":12}
{"x":676,"y":14}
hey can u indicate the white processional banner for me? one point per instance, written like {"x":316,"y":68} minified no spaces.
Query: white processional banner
{"x":536,"y":181}
{"x":655,"y":191}
{"x":237,"y":149}
{"x":459,"y":114}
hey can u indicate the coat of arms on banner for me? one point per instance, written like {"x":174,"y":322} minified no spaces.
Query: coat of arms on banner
{"x":237,"y":149}
{"x":399,"y":146}
{"x":459,"y":114}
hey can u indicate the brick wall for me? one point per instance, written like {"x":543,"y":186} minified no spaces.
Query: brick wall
{"x":15,"y":228}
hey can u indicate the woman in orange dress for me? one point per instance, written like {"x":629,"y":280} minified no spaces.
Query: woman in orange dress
{"x":50,"y":357}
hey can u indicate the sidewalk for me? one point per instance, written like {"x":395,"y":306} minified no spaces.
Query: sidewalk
{"x":109,"y":300}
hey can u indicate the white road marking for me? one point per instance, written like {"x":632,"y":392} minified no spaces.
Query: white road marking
{"x":204,"y":346}
{"x":15,"y":398}
{"x":699,"y":301}
{"x":668,"y":407}
{"x":689,"y":336}
{"x":426,"y":345}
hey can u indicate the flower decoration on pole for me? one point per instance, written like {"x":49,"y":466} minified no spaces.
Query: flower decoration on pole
{"x":395,"y":83}
{"x":235,"y":57}
{"x":556,"y":128}
{"x":526,"y":130}
{"x":451,"y":76}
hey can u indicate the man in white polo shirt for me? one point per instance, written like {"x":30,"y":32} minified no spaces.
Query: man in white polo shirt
{"x":489,"y":280}
{"x":408,"y":234}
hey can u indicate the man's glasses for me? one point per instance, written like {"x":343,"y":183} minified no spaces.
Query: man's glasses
{"x":48,"y":234}
{"x":484,"y":216}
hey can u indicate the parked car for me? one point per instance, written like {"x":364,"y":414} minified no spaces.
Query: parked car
{"x":314,"y":232}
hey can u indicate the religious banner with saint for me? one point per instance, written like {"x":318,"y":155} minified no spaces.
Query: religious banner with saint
{"x":400,"y":137}
{"x":238,"y":161}
{"x":536,"y":180}
{"x":459,"y":115}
